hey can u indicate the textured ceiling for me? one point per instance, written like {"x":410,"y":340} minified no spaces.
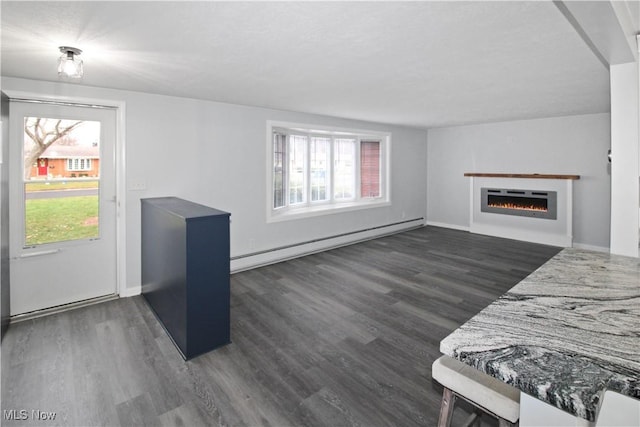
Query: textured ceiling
{"x":420,"y":64}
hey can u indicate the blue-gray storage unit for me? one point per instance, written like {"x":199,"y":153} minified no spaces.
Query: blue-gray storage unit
{"x":185,"y":272}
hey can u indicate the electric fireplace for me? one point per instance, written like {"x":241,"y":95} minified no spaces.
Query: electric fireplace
{"x":529,"y":203}
{"x":534,"y":208}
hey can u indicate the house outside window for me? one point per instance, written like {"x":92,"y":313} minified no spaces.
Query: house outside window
{"x":318,"y":170}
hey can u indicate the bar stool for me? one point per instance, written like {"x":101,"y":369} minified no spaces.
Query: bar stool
{"x":485,"y":393}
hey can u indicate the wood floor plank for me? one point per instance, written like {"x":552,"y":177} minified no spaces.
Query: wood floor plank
{"x":340,"y":338}
{"x":326,"y":408}
{"x":189,"y":415}
{"x":137,"y":412}
{"x":244,"y":388}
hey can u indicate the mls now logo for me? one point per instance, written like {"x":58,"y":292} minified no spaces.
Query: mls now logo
{"x":23,"y":414}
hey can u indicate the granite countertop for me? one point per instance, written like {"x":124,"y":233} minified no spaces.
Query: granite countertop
{"x":564,"y":335}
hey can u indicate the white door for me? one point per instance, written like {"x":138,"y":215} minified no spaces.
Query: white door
{"x":62,"y":204}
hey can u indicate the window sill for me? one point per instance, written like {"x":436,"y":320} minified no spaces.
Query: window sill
{"x":320,"y":210}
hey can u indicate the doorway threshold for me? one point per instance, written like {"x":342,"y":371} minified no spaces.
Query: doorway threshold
{"x":61,"y":308}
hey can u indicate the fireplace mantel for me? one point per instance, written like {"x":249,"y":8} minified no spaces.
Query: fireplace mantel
{"x":521,"y":175}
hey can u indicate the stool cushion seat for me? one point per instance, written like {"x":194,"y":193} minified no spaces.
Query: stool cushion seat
{"x":485,"y":391}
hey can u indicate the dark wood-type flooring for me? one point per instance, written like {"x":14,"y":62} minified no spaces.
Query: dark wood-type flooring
{"x":340,"y":338}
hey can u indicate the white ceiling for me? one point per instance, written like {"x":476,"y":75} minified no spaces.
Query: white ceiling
{"x":421,"y":64}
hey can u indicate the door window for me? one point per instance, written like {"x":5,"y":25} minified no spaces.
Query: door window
{"x":61,"y":170}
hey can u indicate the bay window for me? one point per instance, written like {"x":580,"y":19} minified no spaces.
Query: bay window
{"x":313,"y":170}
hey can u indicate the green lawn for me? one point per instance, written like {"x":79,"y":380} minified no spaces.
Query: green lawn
{"x":59,"y":185}
{"x":60,"y":219}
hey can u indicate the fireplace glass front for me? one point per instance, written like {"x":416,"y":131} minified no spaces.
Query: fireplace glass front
{"x":530,"y":203}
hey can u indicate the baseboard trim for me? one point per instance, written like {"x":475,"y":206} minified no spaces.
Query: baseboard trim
{"x":591,"y":247}
{"x":131,"y":292}
{"x":260,"y":259}
{"x":446,"y":225}
{"x":524,"y":235}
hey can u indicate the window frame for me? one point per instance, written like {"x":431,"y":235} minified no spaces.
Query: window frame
{"x":311,"y":207}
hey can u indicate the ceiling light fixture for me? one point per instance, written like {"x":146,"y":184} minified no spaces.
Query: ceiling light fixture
{"x":69,"y":64}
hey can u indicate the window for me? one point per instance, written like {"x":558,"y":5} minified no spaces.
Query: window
{"x":313,"y":170}
{"x":320,"y":158}
{"x":78,"y":164}
{"x":344,"y":168}
{"x":297,"y":169}
{"x":370,"y":168}
{"x":279,"y":184}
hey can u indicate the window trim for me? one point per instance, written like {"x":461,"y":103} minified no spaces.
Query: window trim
{"x":323,"y":207}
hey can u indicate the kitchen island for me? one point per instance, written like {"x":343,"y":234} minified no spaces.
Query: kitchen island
{"x":564,"y":335}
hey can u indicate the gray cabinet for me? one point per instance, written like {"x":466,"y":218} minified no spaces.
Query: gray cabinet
{"x":185,"y":272}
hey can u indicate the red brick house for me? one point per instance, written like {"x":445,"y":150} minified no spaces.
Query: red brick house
{"x":68,"y":161}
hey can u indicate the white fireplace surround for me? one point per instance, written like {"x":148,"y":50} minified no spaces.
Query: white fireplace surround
{"x":558,"y":232}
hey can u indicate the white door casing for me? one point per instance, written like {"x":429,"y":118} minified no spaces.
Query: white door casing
{"x":53,"y":274}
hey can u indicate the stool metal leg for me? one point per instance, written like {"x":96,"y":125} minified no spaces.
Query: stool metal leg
{"x":446,"y":408}
{"x":505,"y":423}
{"x":473,"y":419}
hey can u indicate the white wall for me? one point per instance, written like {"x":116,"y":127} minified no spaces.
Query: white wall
{"x":214,"y":154}
{"x":625,"y":168}
{"x":562,"y":145}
